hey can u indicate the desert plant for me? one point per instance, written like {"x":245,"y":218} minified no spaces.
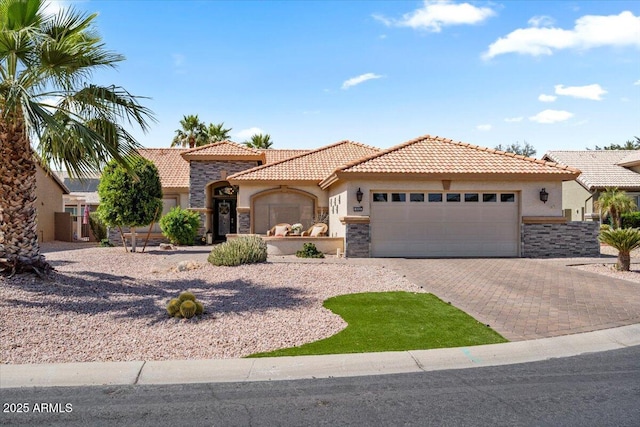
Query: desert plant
{"x":605,"y":227}
{"x":186,"y":296}
{"x":199,"y":308}
{"x":309,"y":250}
{"x":188,"y":309}
{"x":630,"y":220}
{"x":98,"y":228}
{"x":243,"y":250}
{"x":180,"y":226}
{"x":105,"y":243}
{"x":185,"y":305}
{"x":173,"y":307}
{"x":614,"y":202}
{"x":624,"y":240}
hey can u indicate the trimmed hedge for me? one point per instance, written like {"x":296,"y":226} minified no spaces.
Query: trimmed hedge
{"x":630,"y":220}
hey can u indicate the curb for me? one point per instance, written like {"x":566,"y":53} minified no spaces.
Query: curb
{"x":310,"y":367}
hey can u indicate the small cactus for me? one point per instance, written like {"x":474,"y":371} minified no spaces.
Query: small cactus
{"x":186,"y":296}
{"x":188,"y":309}
{"x":199,"y":308}
{"x":173,"y":307}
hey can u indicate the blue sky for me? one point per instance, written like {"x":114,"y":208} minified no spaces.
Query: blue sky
{"x":562,"y":75}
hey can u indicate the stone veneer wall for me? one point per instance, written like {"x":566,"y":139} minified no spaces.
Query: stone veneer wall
{"x":244,"y":223}
{"x":573,"y":239}
{"x":202,"y":173}
{"x":357,"y":240}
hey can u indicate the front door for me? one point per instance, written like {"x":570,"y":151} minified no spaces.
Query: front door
{"x":224,"y":218}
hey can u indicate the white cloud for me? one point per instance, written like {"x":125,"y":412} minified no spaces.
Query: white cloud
{"x":541,"y":21}
{"x":590,"y":31}
{"x":53,"y":7}
{"x":636,"y":83}
{"x":513,"y":119}
{"x":547,"y":98}
{"x":593,"y":92}
{"x":359,"y":79}
{"x":551,"y":116}
{"x":484,"y":128}
{"x":434,"y":15}
{"x":248,"y":133}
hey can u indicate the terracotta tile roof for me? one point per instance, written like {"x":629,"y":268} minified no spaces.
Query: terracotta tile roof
{"x":277,"y":155}
{"x":436,"y":155}
{"x":600,"y":168}
{"x":172,"y":168}
{"x":310,"y":166}
{"x":223,"y":150}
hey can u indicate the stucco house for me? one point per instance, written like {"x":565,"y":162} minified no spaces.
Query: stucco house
{"x":428,"y":197}
{"x":600,"y":169}
{"x":49,"y":201}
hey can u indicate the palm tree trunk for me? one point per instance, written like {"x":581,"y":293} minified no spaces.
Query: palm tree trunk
{"x":624,"y":261}
{"x":19,"y":250}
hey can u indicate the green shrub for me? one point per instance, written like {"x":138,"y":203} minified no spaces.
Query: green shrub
{"x":631,"y":219}
{"x":243,"y":250}
{"x":98,"y":228}
{"x":180,"y":226}
{"x":309,"y":250}
{"x":105,"y":243}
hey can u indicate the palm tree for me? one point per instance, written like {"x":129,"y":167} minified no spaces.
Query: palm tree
{"x":624,"y":240}
{"x":45,"y":61}
{"x":217,"y":133}
{"x":193,"y":133}
{"x":614,"y":202}
{"x":259,"y":141}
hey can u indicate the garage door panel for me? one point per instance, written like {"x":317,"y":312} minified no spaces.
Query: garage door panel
{"x":446,"y":229}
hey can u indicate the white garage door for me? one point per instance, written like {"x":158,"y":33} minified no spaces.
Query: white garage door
{"x":443,"y":224}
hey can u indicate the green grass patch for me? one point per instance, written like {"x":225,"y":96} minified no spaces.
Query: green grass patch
{"x":395,"y":321}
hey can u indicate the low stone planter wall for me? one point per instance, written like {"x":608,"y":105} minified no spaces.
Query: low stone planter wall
{"x":289,"y":245}
{"x":572,"y":239}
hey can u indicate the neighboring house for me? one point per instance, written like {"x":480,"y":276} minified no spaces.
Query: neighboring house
{"x":83,"y":193}
{"x":600,"y":169}
{"x":49,"y":201}
{"x":428,"y":197}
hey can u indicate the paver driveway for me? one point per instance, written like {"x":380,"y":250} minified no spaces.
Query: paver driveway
{"x":524,"y":298}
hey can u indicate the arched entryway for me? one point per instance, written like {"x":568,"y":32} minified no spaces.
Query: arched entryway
{"x":223,"y":199}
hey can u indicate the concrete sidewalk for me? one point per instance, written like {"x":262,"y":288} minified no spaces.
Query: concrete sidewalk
{"x":309,"y":367}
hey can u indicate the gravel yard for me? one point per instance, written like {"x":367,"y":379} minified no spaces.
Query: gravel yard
{"x":103,"y":304}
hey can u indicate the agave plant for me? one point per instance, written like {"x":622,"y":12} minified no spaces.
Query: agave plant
{"x":624,"y":240}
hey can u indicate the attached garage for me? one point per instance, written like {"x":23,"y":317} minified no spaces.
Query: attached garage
{"x":444,"y":224}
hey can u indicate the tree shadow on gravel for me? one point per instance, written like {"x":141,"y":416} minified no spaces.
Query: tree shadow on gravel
{"x":127,"y":297}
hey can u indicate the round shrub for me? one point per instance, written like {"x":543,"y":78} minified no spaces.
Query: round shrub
{"x":243,"y":250}
{"x":309,"y":250}
{"x":180,"y":226}
{"x":188,"y":309}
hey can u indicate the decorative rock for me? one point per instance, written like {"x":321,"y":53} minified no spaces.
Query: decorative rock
{"x":166,"y":246}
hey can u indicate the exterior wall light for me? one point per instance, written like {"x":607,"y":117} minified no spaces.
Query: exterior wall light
{"x":359,"y":195}
{"x":544,"y":196}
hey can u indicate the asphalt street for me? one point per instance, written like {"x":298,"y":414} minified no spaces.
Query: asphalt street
{"x":598,"y":389}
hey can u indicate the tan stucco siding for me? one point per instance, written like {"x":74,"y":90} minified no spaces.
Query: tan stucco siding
{"x":48,"y":201}
{"x":337,"y":208}
{"x":247,"y":191}
{"x":576,"y":198}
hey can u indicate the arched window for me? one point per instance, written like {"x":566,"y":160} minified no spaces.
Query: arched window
{"x":282,"y":206}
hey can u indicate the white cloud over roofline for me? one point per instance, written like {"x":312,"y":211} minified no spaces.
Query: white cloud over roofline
{"x":593,"y":92}
{"x":551,"y":116}
{"x":248,"y":133}
{"x":547,"y":98}
{"x":434,"y":15}
{"x":359,"y":79}
{"x":590,"y":31}
{"x":484,"y":128}
{"x":513,"y":119}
